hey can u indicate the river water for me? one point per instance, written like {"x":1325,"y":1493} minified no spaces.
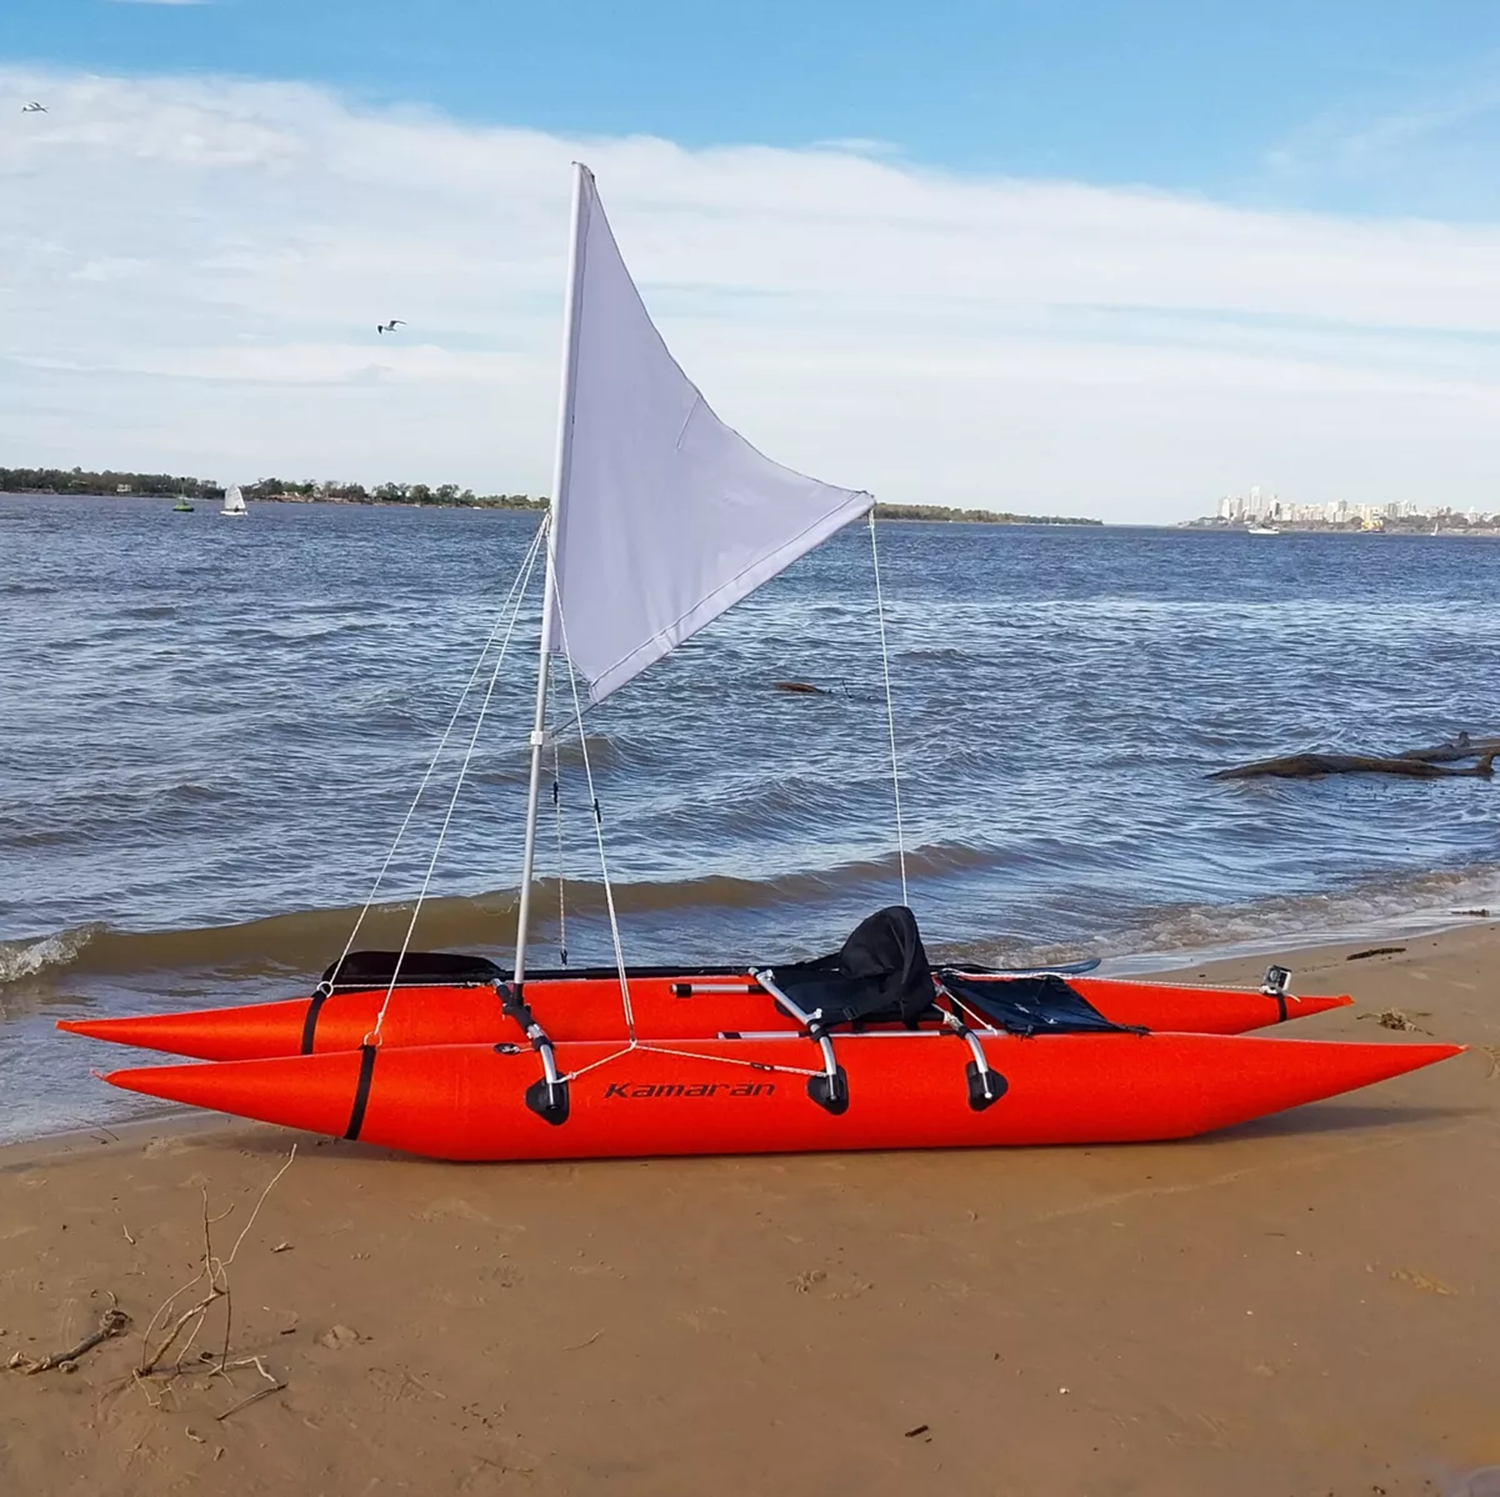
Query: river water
{"x":211,"y":730}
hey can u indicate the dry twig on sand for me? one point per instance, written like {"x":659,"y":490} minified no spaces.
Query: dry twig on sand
{"x":244,"y":1403}
{"x":213,"y":1274}
{"x":1394,"y":1018}
{"x":111,"y":1324}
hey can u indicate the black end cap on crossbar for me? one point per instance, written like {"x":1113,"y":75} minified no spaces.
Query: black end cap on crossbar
{"x":979,"y":1099}
{"x":548,"y":1100}
{"x":831,"y":1093}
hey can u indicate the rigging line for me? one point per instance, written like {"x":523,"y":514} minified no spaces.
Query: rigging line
{"x":588,"y":774}
{"x":734,"y":1060}
{"x":373,"y":1038}
{"x":976,"y":1019}
{"x":562,"y":901}
{"x":644,"y":1047}
{"x":890,"y":710}
{"x":524,"y":569}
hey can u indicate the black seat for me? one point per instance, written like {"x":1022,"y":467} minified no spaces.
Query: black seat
{"x":879,"y":975}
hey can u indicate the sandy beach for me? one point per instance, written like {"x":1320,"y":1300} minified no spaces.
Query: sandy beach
{"x":1303,"y":1307}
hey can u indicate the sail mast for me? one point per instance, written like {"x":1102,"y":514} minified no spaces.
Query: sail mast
{"x":560,"y":468}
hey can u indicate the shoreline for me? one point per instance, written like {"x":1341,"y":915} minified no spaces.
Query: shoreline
{"x":536,"y":508}
{"x":1233,"y":964}
{"x":1244,"y":956}
{"x":541,"y":507}
{"x":1301,"y":1305}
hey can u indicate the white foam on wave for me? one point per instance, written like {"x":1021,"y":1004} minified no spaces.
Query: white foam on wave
{"x":1398,"y":908}
{"x":1182,"y":935}
{"x":25,"y":958}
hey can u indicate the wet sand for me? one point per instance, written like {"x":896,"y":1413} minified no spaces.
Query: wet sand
{"x":1304,"y":1306}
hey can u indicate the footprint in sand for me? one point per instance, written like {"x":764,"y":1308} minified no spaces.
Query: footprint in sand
{"x":1428,"y":1285}
{"x":452,"y":1208}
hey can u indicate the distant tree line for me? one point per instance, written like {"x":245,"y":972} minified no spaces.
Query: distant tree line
{"x":165,"y":485}
{"x":77,"y":481}
{"x":385,"y":493}
{"x":972,"y":516}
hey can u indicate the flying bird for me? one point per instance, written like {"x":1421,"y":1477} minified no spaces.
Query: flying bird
{"x":389,"y":327}
{"x":33,"y":108}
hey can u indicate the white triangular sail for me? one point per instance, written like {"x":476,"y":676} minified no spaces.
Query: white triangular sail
{"x":234,"y":501}
{"x":663,"y":517}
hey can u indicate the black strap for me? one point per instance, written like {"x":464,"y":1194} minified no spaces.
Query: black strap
{"x":361,"y":1090}
{"x":310,"y":1023}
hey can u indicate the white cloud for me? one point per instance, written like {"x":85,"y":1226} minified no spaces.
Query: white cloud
{"x":191,"y":273}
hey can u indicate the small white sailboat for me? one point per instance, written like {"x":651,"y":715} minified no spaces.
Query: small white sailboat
{"x":1263,"y":530}
{"x":234,"y":503}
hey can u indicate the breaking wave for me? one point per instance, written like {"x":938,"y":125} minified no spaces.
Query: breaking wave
{"x":27,"y":958}
{"x":307,"y":940}
{"x":1178,"y":934}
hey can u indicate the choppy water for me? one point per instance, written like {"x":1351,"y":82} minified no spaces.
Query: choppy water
{"x":210,"y":731}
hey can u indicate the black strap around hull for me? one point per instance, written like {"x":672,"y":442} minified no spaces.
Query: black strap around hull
{"x":367,"y":1055}
{"x":310,"y":1021}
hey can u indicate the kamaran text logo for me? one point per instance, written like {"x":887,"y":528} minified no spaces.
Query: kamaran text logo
{"x":628,"y":1089}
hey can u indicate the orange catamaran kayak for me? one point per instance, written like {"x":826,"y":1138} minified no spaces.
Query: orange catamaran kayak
{"x":661,"y":519}
{"x":869,"y":1048}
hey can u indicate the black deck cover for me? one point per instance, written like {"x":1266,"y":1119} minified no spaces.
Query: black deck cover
{"x":1043,"y":1004}
{"x":372,"y":969}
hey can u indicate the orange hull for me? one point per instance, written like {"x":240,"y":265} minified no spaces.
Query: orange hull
{"x":588,"y":1008}
{"x":904,"y":1091}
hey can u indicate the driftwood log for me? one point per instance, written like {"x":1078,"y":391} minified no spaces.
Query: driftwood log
{"x":1462,"y":747}
{"x":1445,"y":761}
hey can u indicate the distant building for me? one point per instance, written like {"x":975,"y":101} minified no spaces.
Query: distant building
{"x":123,"y":488}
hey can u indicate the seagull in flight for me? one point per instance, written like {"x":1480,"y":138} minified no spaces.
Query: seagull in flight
{"x":34,"y":108}
{"x":389,"y":327}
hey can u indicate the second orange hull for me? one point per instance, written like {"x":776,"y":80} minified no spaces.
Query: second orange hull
{"x":589,"y":1008}
{"x":903,"y":1091}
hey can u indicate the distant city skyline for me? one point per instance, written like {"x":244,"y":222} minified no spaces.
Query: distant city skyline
{"x":1258,"y":506}
{"x":1021,"y":260}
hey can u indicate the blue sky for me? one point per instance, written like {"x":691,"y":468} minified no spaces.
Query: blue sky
{"x":1116,"y":259}
{"x":1177,"y":95}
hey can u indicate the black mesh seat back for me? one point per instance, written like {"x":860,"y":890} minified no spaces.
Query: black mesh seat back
{"x":880,"y":973}
{"x":372,"y":969}
{"x":1043,"y":1004}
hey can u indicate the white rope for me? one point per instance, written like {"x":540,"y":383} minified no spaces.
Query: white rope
{"x":890,"y":710}
{"x":643,"y":1047}
{"x":735,"y":1060}
{"x":588,"y":774}
{"x":562,"y":886}
{"x":976,"y":1020}
{"x":373,"y":1038}
{"x":524,"y":570}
